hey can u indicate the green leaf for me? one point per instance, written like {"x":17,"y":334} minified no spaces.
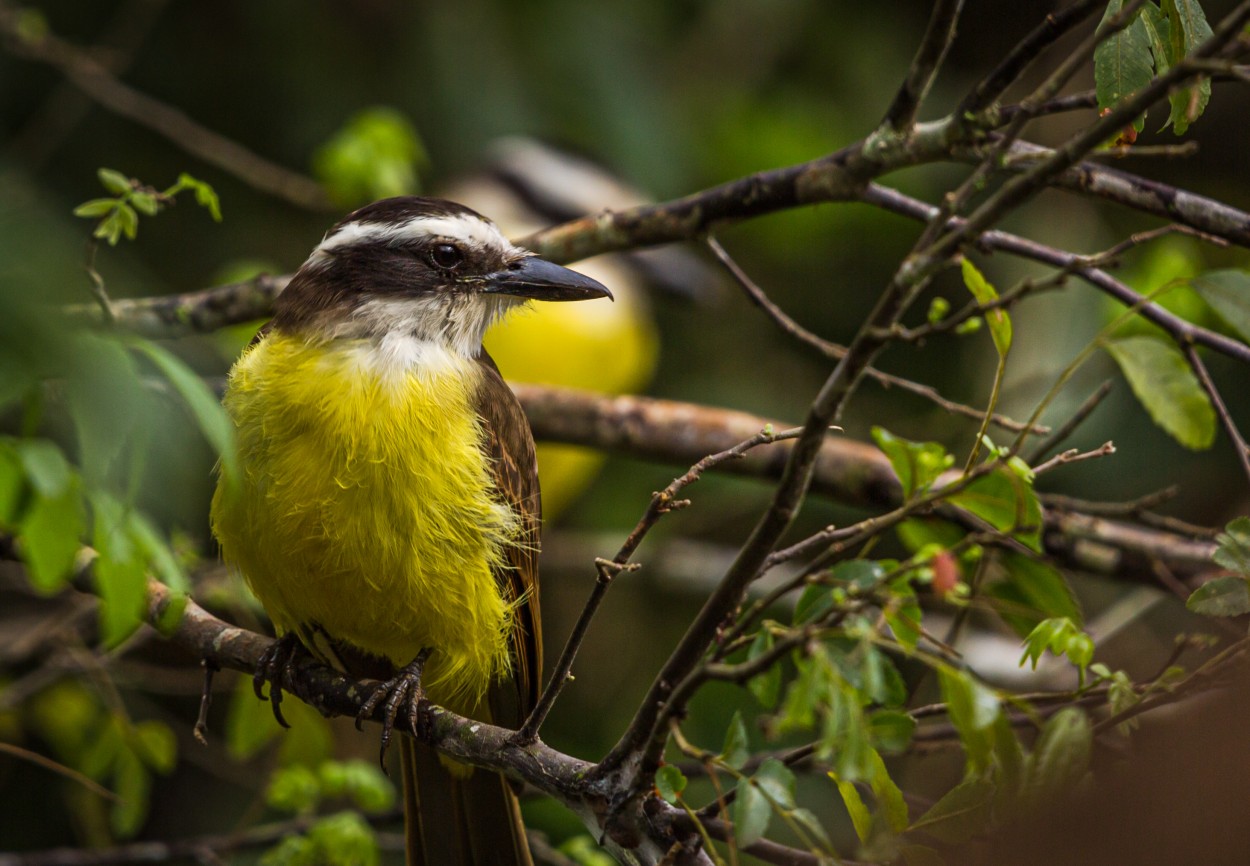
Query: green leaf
{"x":1167,"y":388}
{"x":776,"y":780}
{"x":114,"y":181}
{"x":145,"y":203}
{"x":295,"y":789}
{"x":881,"y":682}
{"x":171,"y":615}
{"x":1223,"y":596}
{"x":918,"y":532}
{"x":963,"y":812}
{"x":766,"y":686}
{"x":1007,"y":502}
{"x":133,"y":784}
{"x":1030,"y":591}
{"x":1233,"y":552}
{"x":1157,"y":33}
{"x":751,"y":814}
{"x":998,"y":320}
{"x":156,"y":745}
{"x":110,"y":228}
{"x":46,"y":467}
{"x":1061,"y":637}
{"x":973,"y":709}
{"x":291,"y":851}
{"x":212,"y":419}
{"x":95,"y":207}
{"x":903,"y":615}
{"x":128,"y":219}
{"x":344,"y":839}
{"x":861,"y":817}
{"x":376,"y":154}
{"x":105,"y":399}
{"x":891,"y":730}
{"x":1060,"y":758}
{"x":890,"y":802}
{"x":917,"y":464}
{"x":1228,"y":292}
{"x":158,"y":552}
{"x":1122,"y":62}
{"x":205,"y":195}
{"x":809,"y":822}
{"x":859,"y":573}
{"x":51,"y":534}
{"x":364,"y":782}
{"x":1187,"y":29}
{"x":670,"y":782}
{"x":734,"y":753}
{"x":815,"y":601}
{"x":12,"y":485}
{"x":120,"y":571}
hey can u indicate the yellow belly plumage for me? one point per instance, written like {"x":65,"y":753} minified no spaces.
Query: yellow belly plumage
{"x":365,"y":505}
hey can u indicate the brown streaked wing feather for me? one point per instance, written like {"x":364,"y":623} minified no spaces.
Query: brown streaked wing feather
{"x":510,"y":447}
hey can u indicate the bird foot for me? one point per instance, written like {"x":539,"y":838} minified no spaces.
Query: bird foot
{"x":276,"y":660}
{"x":402,"y":691}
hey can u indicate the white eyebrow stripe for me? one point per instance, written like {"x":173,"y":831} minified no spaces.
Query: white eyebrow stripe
{"x":467,"y":229}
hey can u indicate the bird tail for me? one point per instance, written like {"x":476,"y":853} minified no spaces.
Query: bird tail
{"x":459,"y":820}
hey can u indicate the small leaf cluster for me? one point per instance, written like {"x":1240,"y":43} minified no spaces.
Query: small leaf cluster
{"x":1228,"y":595}
{"x":1158,"y":37}
{"x":340,"y":839}
{"x":1062,"y":637}
{"x":300,"y":789}
{"x":376,"y":154}
{"x":104,"y":744}
{"x":118,"y":214}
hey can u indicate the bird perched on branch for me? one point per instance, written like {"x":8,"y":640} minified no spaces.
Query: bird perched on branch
{"x":387,"y":514}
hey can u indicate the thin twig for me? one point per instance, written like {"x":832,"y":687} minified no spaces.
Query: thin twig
{"x":924,"y":67}
{"x":1221,"y":410}
{"x":1073,"y":455}
{"x":97,"y":82}
{"x":991,"y":87}
{"x":60,"y":769}
{"x":1088,"y":405}
{"x":661,"y":503}
{"x":1181,"y":330}
{"x":835,"y":352}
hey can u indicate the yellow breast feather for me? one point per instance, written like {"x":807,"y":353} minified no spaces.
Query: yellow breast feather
{"x":365,"y":505}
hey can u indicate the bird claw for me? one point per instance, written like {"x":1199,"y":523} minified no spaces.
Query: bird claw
{"x":277,"y":658}
{"x":401,"y":691}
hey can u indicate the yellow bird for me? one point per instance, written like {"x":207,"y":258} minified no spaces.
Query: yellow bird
{"x":388,"y":511}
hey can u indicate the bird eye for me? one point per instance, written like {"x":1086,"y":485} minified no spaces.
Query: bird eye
{"x":446,"y":257}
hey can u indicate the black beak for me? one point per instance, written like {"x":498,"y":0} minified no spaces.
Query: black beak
{"x":536,"y":278}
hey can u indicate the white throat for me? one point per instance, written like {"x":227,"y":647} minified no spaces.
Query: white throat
{"x":456,"y":323}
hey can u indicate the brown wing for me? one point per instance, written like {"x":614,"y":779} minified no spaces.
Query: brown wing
{"x":510,"y":447}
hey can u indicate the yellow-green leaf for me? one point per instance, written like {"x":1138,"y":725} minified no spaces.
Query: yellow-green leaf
{"x":1167,"y":388}
{"x":985,"y":293}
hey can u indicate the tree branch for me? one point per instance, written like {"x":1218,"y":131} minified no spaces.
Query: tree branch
{"x":560,"y":776}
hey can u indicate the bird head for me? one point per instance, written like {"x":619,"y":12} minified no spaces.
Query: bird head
{"x":426,"y":268}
